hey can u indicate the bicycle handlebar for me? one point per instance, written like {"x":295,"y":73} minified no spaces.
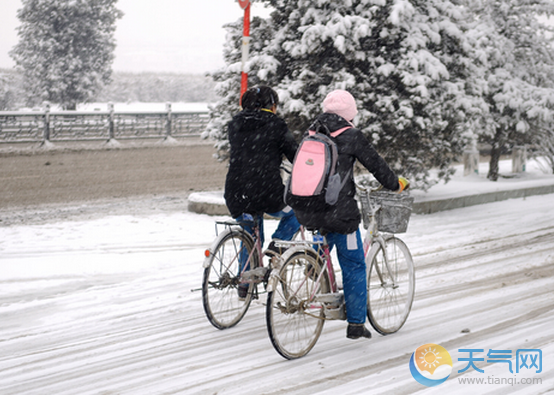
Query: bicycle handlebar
{"x":368,"y":188}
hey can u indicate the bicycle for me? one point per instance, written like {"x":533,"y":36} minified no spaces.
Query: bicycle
{"x":233,"y":267}
{"x":302,"y":287}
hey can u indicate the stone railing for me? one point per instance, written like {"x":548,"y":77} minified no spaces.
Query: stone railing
{"x":50,"y":126}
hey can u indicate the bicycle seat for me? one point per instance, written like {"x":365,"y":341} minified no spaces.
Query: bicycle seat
{"x":247,"y":219}
{"x":229,"y":222}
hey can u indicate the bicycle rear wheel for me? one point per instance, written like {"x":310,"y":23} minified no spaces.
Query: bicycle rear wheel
{"x":220,"y":286}
{"x":391,"y":285}
{"x":294,"y":319}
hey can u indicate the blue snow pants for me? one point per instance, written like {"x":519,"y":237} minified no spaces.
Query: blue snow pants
{"x":350,"y":252}
{"x":288,"y":226}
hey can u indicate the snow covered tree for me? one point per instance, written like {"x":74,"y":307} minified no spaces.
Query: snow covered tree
{"x":65,"y":49}
{"x":519,"y":72}
{"x":406,"y":63}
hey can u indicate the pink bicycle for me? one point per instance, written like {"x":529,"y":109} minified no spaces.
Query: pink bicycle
{"x":303,"y":291}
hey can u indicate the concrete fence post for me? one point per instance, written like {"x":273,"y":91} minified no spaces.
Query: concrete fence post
{"x":519,"y":158}
{"x":46,"y":130}
{"x":111,"y":121}
{"x":471,"y":162}
{"x":168,"y":125}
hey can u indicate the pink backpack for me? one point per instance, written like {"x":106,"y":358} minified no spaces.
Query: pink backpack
{"x":314,"y":184}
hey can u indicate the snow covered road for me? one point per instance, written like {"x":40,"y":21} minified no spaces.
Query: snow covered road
{"x":103,"y":305}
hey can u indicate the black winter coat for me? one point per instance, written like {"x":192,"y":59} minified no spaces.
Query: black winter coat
{"x":344,"y":217}
{"x":258,"y":140}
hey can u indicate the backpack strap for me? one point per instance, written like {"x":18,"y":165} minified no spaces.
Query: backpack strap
{"x":337,"y":132}
{"x":333,"y":134}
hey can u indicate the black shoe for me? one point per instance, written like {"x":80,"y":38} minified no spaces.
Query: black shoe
{"x":273,"y":250}
{"x":243,"y":291}
{"x":355,"y":331}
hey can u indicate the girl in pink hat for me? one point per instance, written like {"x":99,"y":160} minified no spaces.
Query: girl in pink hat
{"x":340,"y":222}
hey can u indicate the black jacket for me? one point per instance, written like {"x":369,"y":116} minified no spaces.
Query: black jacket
{"x":344,"y":217}
{"x":258,"y":140}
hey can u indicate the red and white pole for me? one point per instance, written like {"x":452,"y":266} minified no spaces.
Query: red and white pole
{"x":245,"y":5}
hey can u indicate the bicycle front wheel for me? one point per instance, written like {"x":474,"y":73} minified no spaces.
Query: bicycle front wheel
{"x":391,"y":285}
{"x":294,"y":318}
{"x":225,"y":303}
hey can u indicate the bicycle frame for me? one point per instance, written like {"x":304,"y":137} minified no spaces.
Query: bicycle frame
{"x":303,"y":291}
{"x":372,"y":239}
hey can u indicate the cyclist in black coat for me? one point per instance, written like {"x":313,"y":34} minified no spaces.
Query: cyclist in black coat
{"x":259,"y":139}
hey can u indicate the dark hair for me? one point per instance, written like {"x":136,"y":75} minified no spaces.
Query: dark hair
{"x":259,"y":97}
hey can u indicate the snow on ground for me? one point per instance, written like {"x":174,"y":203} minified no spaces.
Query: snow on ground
{"x":103,"y":305}
{"x":537,"y":174}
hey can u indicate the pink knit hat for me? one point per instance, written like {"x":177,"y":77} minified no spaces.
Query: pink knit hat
{"x":342,"y":103}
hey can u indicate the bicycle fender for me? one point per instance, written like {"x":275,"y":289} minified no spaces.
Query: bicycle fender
{"x":274,"y":277}
{"x":208,"y":253}
{"x":378,"y":243}
{"x":273,"y":280}
{"x":300,"y":248}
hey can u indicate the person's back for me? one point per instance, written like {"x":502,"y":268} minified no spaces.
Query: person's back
{"x":259,"y":139}
{"x":344,"y":216}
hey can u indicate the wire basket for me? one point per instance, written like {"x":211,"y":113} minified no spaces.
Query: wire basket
{"x":395,"y":211}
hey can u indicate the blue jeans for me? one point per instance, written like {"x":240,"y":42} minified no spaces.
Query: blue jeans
{"x":288,"y":226}
{"x":350,"y":252}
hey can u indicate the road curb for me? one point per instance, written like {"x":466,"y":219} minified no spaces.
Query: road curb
{"x":207,"y":208}
{"x":213,"y":203}
{"x":434,"y":206}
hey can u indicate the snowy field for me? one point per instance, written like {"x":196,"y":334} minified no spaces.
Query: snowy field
{"x":103,"y":305}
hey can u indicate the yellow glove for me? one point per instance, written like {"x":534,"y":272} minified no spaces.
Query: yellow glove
{"x":404,"y":184}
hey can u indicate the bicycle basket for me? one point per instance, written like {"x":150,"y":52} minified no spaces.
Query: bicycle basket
{"x":395,"y":211}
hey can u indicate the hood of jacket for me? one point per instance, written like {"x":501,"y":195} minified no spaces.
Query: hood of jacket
{"x":253,"y":120}
{"x":328,"y":123}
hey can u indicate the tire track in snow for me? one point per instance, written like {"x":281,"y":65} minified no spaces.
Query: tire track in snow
{"x":147,"y":333}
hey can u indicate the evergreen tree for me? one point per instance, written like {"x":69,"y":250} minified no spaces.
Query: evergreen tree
{"x":65,"y":49}
{"x":519,"y":73}
{"x":406,"y":63}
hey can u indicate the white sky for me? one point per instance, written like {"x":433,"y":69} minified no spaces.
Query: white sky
{"x":184,"y":36}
